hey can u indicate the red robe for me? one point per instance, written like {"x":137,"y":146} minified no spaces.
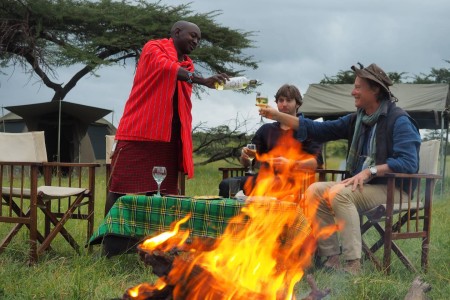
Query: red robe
{"x":148,"y":112}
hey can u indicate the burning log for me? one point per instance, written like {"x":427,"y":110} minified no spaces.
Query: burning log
{"x":146,"y":291}
{"x":188,"y":282}
{"x":315,"y":293}
{"x":162,"y":263}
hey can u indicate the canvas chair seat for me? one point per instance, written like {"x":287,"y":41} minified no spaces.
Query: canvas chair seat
{"x":22,"y":158}
{"x":377,"y":214}
{"x":48,"y":192}
{"x":55,"y":192}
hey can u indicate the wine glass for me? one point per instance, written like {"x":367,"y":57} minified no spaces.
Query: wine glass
{"x":159,"y":173}
{"x":251,"y":156}
{"x":261,"y":101}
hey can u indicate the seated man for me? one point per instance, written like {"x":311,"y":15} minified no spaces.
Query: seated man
{"x":382,"y":138}
{"x":288,"y":100}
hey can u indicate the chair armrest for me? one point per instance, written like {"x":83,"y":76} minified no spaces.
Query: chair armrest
{"x":334,"y":173}
{"x":68,"y":164}
{"x":417,"y":175}
{"x":19,"y":163}
{"x":232,"y":171}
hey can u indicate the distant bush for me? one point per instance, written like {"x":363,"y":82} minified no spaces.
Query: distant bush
{"x":336,"y":148}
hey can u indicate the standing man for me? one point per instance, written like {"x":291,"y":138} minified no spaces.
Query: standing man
{"x":288,"y":100}
{"x":156,"y":125}
{"x":382,"y":138}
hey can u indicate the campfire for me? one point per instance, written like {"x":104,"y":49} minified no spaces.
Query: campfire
{"x":262,"y":254}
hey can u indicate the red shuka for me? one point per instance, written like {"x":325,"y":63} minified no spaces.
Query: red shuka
{"x":148,"y":112}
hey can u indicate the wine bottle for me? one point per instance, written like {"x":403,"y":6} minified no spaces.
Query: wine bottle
{"x":235,"y":83}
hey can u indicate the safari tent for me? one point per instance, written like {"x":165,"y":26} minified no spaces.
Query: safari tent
{"x":76,"y":132}
{"x":428,"y":104}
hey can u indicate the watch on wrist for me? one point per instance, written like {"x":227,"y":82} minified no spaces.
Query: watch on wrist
{"x":373,"y":171}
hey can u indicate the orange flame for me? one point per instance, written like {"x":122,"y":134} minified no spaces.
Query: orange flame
{"x":161,"y":241}
{"x":264,"y":250}
{"x":139,"y":292}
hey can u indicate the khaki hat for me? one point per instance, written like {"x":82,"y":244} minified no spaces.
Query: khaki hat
{"x":374,"y":73}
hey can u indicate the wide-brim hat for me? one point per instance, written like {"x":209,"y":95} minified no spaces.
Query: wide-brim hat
{"x":374,"y":73}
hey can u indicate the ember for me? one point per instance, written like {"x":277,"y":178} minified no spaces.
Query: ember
{"x":261,"y":255}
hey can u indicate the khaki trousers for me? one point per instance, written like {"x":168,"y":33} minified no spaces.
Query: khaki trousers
{"x":339,"y":204}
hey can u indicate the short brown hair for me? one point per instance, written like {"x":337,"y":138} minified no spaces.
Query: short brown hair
{"x":291,"y":92}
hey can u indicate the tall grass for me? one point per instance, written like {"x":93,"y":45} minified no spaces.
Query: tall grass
{"x":63,"y":274}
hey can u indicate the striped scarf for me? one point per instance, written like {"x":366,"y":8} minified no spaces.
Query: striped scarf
{"x":358,"y":139}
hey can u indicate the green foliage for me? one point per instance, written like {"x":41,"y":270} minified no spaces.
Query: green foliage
{"x":42,"y":35}
{"x":348,"y":77}
{"x":441,"y":75}
{"x":336,"y":148}
{"x":396,"y":77}
{"x":341,"y":77}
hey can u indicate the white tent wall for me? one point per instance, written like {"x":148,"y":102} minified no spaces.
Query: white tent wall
{"x":428,"y":104}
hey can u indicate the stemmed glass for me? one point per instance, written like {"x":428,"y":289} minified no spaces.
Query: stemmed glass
{"x":261,"y":101}
{"x":251,"y":156}
{"x":159,"y":173}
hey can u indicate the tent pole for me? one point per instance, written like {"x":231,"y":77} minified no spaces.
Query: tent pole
{"x":3,"y":118}
{"x":59,"y":132}
{"x":443,"y":156}
{"x":444,"y":150}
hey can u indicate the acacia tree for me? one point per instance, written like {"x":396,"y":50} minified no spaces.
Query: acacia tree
{"x":42,"y":35}
{"x":223,"y":142}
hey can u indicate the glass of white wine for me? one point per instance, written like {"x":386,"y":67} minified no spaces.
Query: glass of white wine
{"x":251,"y":156}
{"x":159,"y":173}
{"x":261,"y":101}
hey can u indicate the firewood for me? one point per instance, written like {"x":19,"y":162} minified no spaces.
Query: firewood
{"x":315,"y":293}
{"x":165,"y":293}
{"x":190,"y":279}
{"x":161,"y":262}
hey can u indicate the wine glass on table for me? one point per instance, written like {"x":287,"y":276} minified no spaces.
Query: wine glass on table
{"x":251,"y":153}
{"x":159,"y":173}
{"x":261,"y":101}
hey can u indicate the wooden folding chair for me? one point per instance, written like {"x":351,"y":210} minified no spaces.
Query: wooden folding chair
{"x":61,"y":194}
{"x":408,"y":219}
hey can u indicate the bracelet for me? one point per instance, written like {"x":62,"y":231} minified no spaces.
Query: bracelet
{"x":190,"y":77}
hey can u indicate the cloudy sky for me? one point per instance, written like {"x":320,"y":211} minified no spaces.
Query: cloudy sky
{"x":297,"y":42}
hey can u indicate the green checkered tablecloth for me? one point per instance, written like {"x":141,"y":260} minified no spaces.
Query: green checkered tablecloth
{"x":142,"y":216}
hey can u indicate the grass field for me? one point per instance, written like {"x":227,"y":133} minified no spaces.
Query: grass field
{"x":62,"y":274}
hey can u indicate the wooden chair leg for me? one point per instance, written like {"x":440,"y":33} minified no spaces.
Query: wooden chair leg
{"x":90,"y":220}
{"x":59,"y":225}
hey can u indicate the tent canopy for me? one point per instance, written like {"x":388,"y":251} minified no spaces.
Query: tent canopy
{"x":427,"y":103}
{"x":82,"y":113}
